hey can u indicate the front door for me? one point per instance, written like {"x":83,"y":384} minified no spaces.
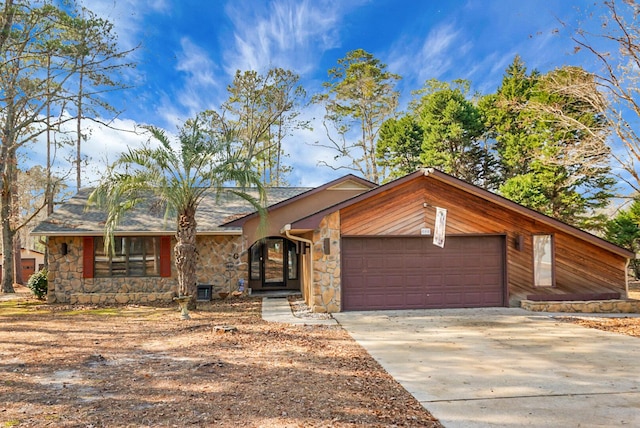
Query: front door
{"x":273,"y":264}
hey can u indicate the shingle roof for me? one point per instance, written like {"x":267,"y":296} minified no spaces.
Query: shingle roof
{"x":75,"y":218}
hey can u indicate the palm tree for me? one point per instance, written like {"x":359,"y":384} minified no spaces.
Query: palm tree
{"x":178,"y":178}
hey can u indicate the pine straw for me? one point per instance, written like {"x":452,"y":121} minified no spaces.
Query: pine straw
{"x":629,"y":326}
{"x":139,"y":366}
{"x":135,"y":366}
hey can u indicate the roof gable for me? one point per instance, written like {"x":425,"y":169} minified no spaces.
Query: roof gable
{"x":312,"y":221}
{"x":348,"y":184}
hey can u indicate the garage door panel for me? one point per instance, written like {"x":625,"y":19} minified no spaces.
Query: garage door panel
{"x":435,"y":300}
{"x":434,"y":279}
{"x":491,"y":277}
{"x":473,"y":297}
{"x":373,"y":262}
{"x":414,"y":261}
{"x":417,"y":303}
{"x":391,"y":261}
{"x":395,"y":281}
{"x":493,"y":299}
{"x":413,"y":273}
{"x":413,"y":246}
{"x":375,"y":282}
{"x":453,"y":279}
{"x":393,"y":300}
{"x":451,"y":263}
{"x":414,"y":281}
{"x":453,"y":299}
{"x":430,"y":262}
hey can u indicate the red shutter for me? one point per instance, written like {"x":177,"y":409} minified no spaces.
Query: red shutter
{"x":165,"y":256}
{"x":87,"y":257}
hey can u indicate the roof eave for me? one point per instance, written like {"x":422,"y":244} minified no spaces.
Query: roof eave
{"x":312,"y":221}
{"x":506,"y":203}
{"x":227,"y":232}
{"x":242,"y":220}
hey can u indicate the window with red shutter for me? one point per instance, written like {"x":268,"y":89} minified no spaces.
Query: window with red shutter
{"x":130,"y":256}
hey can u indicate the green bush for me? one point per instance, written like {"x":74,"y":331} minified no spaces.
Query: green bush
{"x":38,"y":284}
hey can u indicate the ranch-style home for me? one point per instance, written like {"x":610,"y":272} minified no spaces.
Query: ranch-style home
{"x":426,"y":240}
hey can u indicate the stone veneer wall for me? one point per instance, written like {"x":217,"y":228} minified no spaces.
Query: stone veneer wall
{"x":66,"y":284}
{"x":326,"y":280}
{"x":222,"y":262}
{"x":591,"y":306}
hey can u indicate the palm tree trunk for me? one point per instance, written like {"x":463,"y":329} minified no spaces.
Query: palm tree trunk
{"x":186,"y":254}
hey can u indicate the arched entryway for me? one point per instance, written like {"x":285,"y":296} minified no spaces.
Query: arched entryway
{"x":274,"y":264}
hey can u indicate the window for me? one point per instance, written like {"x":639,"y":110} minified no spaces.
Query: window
{"x":273,"y":261}
{"x":256,"y":257}
{"x":543,"y":261}
{"x":292,"y":262}
{"x":132,"y":256}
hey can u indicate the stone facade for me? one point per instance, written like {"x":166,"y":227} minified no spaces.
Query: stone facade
{"x":222,"y":263}
{"x":325,"y":287}
{"x":592,"y":306}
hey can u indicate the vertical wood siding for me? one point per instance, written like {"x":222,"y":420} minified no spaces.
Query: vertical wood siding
{"x":580,"y":266}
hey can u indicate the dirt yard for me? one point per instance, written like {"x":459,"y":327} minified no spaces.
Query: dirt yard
{"x":623,"y":324}
{"x":144,"y":367}
{"x":130,"y":366}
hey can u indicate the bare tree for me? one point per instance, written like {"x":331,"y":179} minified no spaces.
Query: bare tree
{"x":262,"y":109}
{"x":616,"y":49}
{"x":38,"y":64}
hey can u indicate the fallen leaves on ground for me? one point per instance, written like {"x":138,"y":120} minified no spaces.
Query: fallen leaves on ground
{"x":629,"y":325}
{"x":625,"y":325}
{"x":134,"y":366}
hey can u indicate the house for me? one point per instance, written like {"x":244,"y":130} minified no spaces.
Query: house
{"x":347,"y":245}
{"x":31,"y":261}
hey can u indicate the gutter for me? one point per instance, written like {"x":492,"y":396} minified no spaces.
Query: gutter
{"x":235,"y":232}
{"x":626,"y":277}
{"x":286,"y":230}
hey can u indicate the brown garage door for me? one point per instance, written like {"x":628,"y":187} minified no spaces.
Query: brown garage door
{"x":412,"y":273}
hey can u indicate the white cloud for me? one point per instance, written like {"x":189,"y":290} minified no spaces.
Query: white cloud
{"x":128,"y":16}
{"x":285,"y":33}
{"x":200,"y":82}
{"x":434,"y":56}
{"x":102,"y":146}
{"x":105,"y":144}
{"x":307,"y":147}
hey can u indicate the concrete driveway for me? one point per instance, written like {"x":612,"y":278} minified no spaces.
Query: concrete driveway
{"x":505,"y":367}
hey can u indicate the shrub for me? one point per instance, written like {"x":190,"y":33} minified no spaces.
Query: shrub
{"x":38,"y":284}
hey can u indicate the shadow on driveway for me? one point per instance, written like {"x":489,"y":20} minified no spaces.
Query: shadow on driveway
{"x":505,"y":367}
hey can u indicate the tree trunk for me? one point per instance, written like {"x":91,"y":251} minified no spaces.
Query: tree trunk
{"x":79,"y":128}
{"x":186,"y":254}
{"x":7,"y":244}
{"x":17,"y":260}
{"x":7,"y":176}
{"x":15,"y":221}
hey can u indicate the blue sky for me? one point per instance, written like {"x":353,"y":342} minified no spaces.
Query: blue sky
{"x":190,"y":50}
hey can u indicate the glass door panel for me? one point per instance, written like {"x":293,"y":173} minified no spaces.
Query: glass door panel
{"x":274,"y":262}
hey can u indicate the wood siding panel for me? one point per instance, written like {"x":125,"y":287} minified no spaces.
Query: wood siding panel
{"x":581,"y":267}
